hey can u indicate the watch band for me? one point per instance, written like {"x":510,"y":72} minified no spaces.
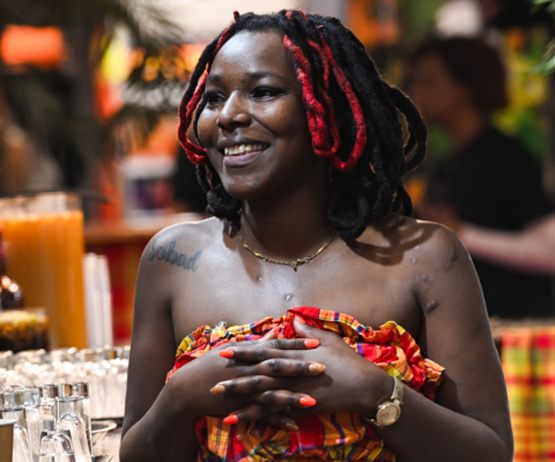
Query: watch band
{"x":398,"y":390}
{"x":389,"y":411}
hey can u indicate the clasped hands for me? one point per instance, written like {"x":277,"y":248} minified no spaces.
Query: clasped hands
{"x":275,"y":380}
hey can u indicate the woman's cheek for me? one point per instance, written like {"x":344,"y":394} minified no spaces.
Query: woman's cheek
{"x":205,"y":124}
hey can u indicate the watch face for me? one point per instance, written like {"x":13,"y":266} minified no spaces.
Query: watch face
{"x":388,"y":413}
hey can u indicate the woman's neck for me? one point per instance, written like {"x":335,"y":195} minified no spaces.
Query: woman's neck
{"x":288,"y":229}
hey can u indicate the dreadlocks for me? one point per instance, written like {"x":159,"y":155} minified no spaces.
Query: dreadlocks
{"x":367,"y":150}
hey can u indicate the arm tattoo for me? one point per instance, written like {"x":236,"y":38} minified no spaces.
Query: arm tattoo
{"x":169,"y":254}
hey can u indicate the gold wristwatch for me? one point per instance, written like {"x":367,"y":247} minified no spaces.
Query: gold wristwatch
{"x":389,"y":411}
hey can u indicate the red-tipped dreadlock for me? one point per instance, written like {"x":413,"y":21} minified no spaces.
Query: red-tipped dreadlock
{"x":197,"y":154}
{"x":320,"y":114}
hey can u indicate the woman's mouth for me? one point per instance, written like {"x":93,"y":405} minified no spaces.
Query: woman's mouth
{"x":243,"y":149}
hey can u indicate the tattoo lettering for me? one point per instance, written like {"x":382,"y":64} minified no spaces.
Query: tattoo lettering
{"x":169,"y":254}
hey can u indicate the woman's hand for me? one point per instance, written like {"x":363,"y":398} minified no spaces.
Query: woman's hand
{"x":349,"y":382}
{"x":268,"y":370}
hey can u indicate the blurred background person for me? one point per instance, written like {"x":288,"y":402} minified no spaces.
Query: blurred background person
{"x":488,"y":179}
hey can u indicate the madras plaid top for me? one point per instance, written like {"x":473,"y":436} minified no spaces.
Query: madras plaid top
{"x":342,"y":436}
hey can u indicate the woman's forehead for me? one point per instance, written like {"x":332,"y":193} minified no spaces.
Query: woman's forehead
{"x":254,"y":52}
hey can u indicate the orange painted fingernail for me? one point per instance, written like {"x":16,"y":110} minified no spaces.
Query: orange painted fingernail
{"x":231,"y":419}
{"x":228,"y":353}
{"x":307,"y":401}
{"x":312,"y":343}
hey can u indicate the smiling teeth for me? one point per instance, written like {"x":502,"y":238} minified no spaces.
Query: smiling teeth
{"x":242,"y":148}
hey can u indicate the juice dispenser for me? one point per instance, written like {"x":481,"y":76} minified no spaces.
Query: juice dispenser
{"x":44,"y":243}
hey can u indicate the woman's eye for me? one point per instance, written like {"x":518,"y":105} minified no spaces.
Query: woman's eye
{"x":266,"y":92}
{"x":213,"y":98}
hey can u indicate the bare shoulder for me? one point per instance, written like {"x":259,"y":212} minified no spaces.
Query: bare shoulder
{"x":415,"y":241}
{"x":435,"y":259}
{"x":194,"y":232}
{"x":171,"y":256}
{"x":181,"y":244}
{"x":440,"y":247}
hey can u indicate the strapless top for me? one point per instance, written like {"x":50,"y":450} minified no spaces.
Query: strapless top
{"x":343,"y":436}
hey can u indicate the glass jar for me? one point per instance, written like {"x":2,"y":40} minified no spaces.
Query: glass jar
{"x":44,"y":250}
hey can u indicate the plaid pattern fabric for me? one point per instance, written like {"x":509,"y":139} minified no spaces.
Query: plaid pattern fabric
{"x":342,"y":436}
{"x":528,"y":359}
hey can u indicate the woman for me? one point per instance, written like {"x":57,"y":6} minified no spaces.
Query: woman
{"x":309,"y":202}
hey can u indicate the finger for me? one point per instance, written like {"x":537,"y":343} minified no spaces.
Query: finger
{"x":281,"y":421}
{"x":272,"y":335}
{"x":272,"y":402}
{"x":285,"y":367}
{"x":260,"y":351}
{"x":305,"y":331}
{"x":258,"y":383}
{"x":283,"y":399}
{"x":248,"y":385}
{"x":228,"y":345}
{"x":247,"y":414}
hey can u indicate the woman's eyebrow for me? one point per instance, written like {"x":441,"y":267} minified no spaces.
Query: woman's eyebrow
{"x":247,"y":77}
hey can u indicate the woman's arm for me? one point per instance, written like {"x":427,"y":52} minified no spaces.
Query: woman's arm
{"x":154,"y":413}
{"x":471,"y":418}
{"x":532,"y":249}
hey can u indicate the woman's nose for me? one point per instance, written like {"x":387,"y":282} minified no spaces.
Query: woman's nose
{"x":233,"y":113}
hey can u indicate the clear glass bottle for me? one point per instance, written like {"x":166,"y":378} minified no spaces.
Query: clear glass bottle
{"x":49,"y":394}
{"x":70,"y":416}
{"x":66,"y":401}
{"x":81,"y":389}
{"x":56,"y":446}
{"x":73,"y":397}
{"x":73,"y":423}
{"x":31,"y":404}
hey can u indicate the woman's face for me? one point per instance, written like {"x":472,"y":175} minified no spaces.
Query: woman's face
{"x":254,"y":124}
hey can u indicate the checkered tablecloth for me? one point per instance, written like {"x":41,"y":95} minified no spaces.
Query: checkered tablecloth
{"x":528,"y":358}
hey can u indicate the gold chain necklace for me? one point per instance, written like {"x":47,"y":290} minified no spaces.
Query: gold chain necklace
{"x":293,"y":264}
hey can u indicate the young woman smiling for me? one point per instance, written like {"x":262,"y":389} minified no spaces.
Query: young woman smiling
{"x":302,"y":328}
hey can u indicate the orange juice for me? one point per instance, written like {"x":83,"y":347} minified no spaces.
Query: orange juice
{"x":44,"y":247}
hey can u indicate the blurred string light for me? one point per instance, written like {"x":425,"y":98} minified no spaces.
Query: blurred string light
{"x":21,"y":46}
{"x":375,"y":23}
{"x":459,"y":18}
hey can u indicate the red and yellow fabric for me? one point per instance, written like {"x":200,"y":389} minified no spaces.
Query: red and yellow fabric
{"x":342,"y":436}
{"x":528,"y":359}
